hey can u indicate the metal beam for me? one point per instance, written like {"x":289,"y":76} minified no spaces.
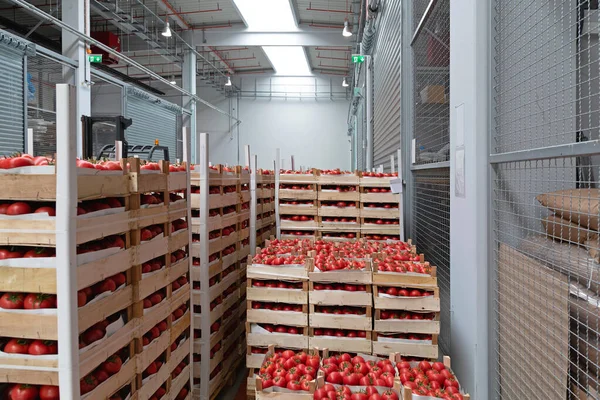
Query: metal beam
{"x":66,"y":28}
{"x":302,"y":37}
{"x":560,"y":151}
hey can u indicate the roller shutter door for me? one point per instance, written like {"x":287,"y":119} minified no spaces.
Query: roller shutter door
{"x":387,"y":83}
{"x":12,"y":88}
{"x":152,"y":119}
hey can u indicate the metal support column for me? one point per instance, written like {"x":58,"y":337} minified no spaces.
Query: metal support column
{"x":469,"y":176}
{"x":369,"y":114}
{"x":253,"y":163}
{"x":188,"y":74}
{"x":76,"y":13}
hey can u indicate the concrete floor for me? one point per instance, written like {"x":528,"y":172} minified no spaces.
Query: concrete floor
{"x":237,"y":391}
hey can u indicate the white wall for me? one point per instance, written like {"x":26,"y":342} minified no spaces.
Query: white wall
{"x":313,"y":130}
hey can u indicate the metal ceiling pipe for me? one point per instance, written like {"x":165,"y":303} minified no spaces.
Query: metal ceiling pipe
{"x":89,"y":40}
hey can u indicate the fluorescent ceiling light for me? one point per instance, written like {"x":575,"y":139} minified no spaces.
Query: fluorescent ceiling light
{"x":167,"y":31}
{"x":228,"y":83}
{"x":288,"y":60}
{"x":267,"y":15}
{"x":346,"y":32}
{"x":345,"y":83}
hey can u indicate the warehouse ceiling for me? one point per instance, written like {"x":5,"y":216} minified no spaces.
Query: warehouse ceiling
{"x":138,"y":24}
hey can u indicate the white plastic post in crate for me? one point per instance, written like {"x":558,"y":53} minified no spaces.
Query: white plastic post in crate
{"x":118,"y":150}
{"x":392,"y":164}
{"x":277,"y":180}
{"x":66,"y":230}
{"x":204,"y":270}
{"x":187,"y":147}
{"x":29,"y":143}
{"x":247,"y":155}
{"x":293,"y":163}
{"x":253,"y":163}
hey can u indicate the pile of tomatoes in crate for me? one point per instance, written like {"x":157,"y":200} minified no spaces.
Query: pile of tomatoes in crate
{"x":329,"y":391}
{"x":296,"y":187}
{"x":429,"y":379}
{"x":288,"y":369}
{"x":332,"y":263}
{"x":278,"y":260}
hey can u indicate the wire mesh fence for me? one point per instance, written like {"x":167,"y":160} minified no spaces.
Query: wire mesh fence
{"x":43,"y":75}
{"x":431,"y":58}
{"x":432,"y":236}
{"x":546,"y":249}
{"x":430,"y":219}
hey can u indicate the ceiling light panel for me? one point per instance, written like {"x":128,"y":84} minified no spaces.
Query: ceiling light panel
{"x":288,"y":60}
{"x":267,"y":15}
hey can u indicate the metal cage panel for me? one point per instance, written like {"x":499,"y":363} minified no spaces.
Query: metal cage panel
{"x":545,"y":196}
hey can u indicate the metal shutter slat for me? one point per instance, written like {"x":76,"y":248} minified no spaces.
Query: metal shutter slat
{"x":12,"y":107}
{"x":151,"y":122}
{"x":387,"y":84}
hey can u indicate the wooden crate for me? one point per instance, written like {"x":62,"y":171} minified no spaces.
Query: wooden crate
{"x":275,"y":393}
{"x":341,"y":226}
{"x":306,"y":178}
{"x":298,"y":194}
{"x":361,"y":277}
{"x":18,"y":231}
{"x":337,"y":297}
{"x":289,"y":296}
{"x":406,"y":393}
{"x":350,"y":345}
{"x":91,"y":184}
{"x":299,"y":209}
{"x":406,"y":325}
{"x":298,"y":225}
{"x":334,"y":236}
{"x":281,"y":272}
{"x":264,"y":316}
{"x":431,"y":304}
{"x":389,"y":213}
{"x":330,"y":195}
{"x":406,"y":279}
{"x":341,"y":321}
{"x":331,"y":211}
{"x":369,"y":181}
{"x":387,"y":197}
{"x":345,"y":179}
{"x":407,"y":349}
{"x":277,"y":339}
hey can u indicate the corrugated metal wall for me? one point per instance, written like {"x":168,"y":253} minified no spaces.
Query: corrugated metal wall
{"x":387,"y":83}
{"x":152,"y":119}
{"x":12,"y":87}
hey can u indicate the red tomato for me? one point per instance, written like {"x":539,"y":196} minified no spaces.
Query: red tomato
{"x":389,"y":395}
{"x":335,"y":378}
{"x":23,"y":392}
{"x":40,"y":347}
{"x":18,"y":208}
{"x":87,"y":384}
{"x":48,"y":392}
{"x":22,"y":161}
{"x":11,"y":301}
{"x":112,"y":365}
{"x":17,"y":346}
{"x":48,"y":210}
{"x":35,"y":301}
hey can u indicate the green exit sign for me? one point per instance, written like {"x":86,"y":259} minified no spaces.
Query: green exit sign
{"x":358,"y":59}
{"x":95,"y":58}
